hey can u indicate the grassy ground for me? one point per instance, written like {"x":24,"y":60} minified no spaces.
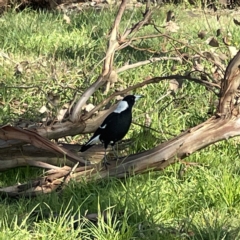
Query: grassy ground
{"x":48,"y":63}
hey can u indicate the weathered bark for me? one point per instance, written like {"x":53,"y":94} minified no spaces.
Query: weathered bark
{"x":229,"y":89}
{"x":29,"y":136}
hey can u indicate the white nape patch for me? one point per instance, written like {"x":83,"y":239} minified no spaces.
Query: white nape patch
{"x":102,"y":127}
{"x":122,"y":106}
{"x":94,"y":140}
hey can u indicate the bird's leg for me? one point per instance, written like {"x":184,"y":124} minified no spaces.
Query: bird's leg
{"x":115,"y":152}
{"x":105,"y":162}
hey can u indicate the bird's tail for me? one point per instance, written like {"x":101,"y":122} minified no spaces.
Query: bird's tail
{"x":85,"y":147}
{"x":93,"y":140}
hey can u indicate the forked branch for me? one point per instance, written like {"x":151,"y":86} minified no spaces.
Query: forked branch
{"x":115,"y":40}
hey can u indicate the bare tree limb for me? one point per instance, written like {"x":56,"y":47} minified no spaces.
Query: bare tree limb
{"x":137,"y":26}
{"x":107,"y":66}
{"x":151,"y":60}
{"x":32,"y":137}
{"x":213,"y":130}
{"x":21,"y":162}
{"x":113,"y":45}
{"x":89,"y":125}
{"x":149,"y":81}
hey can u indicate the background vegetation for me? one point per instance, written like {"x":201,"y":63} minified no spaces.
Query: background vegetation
{"x":46,"y":61}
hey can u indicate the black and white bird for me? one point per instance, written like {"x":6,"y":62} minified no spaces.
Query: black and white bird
{"x":115,"y":126}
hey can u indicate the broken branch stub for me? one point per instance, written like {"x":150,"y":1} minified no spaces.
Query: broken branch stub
{"x":228,"y":103}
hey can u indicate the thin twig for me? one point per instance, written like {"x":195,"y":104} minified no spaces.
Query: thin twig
{"x":21,"y":87}
{"x":151,"y":60}
{"x":193,"y":49}
{"x":137,"y":26}
{"x":149,"y":50}
{"x":67,"y":177}
{"x":144,"y":126}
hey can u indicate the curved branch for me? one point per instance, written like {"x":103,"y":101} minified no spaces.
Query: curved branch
{"x":107,"y":66}
{"x":89,"y":125}
{"x":149,"y":81}
{"x":113,"y":45}
{"x":213,"y":130}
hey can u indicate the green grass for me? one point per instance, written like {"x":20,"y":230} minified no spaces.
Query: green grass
{"x":58,"y":62}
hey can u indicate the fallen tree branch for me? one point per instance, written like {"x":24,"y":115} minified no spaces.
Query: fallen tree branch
{"x":217,"y":128}
{"x":22,"y":162}
{"x":223,"y":125}
{"x":29,"y":155}
{"x":209,"y":132}
{"x":29,"y":136}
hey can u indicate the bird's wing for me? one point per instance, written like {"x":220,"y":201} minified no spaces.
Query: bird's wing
{"x":106,"y":121}
{"x":96,"y":136}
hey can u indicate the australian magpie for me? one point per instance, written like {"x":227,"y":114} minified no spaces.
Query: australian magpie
{"x":115,"y":126}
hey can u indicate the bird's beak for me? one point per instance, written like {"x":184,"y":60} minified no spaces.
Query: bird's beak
{"x":137,"y":97}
